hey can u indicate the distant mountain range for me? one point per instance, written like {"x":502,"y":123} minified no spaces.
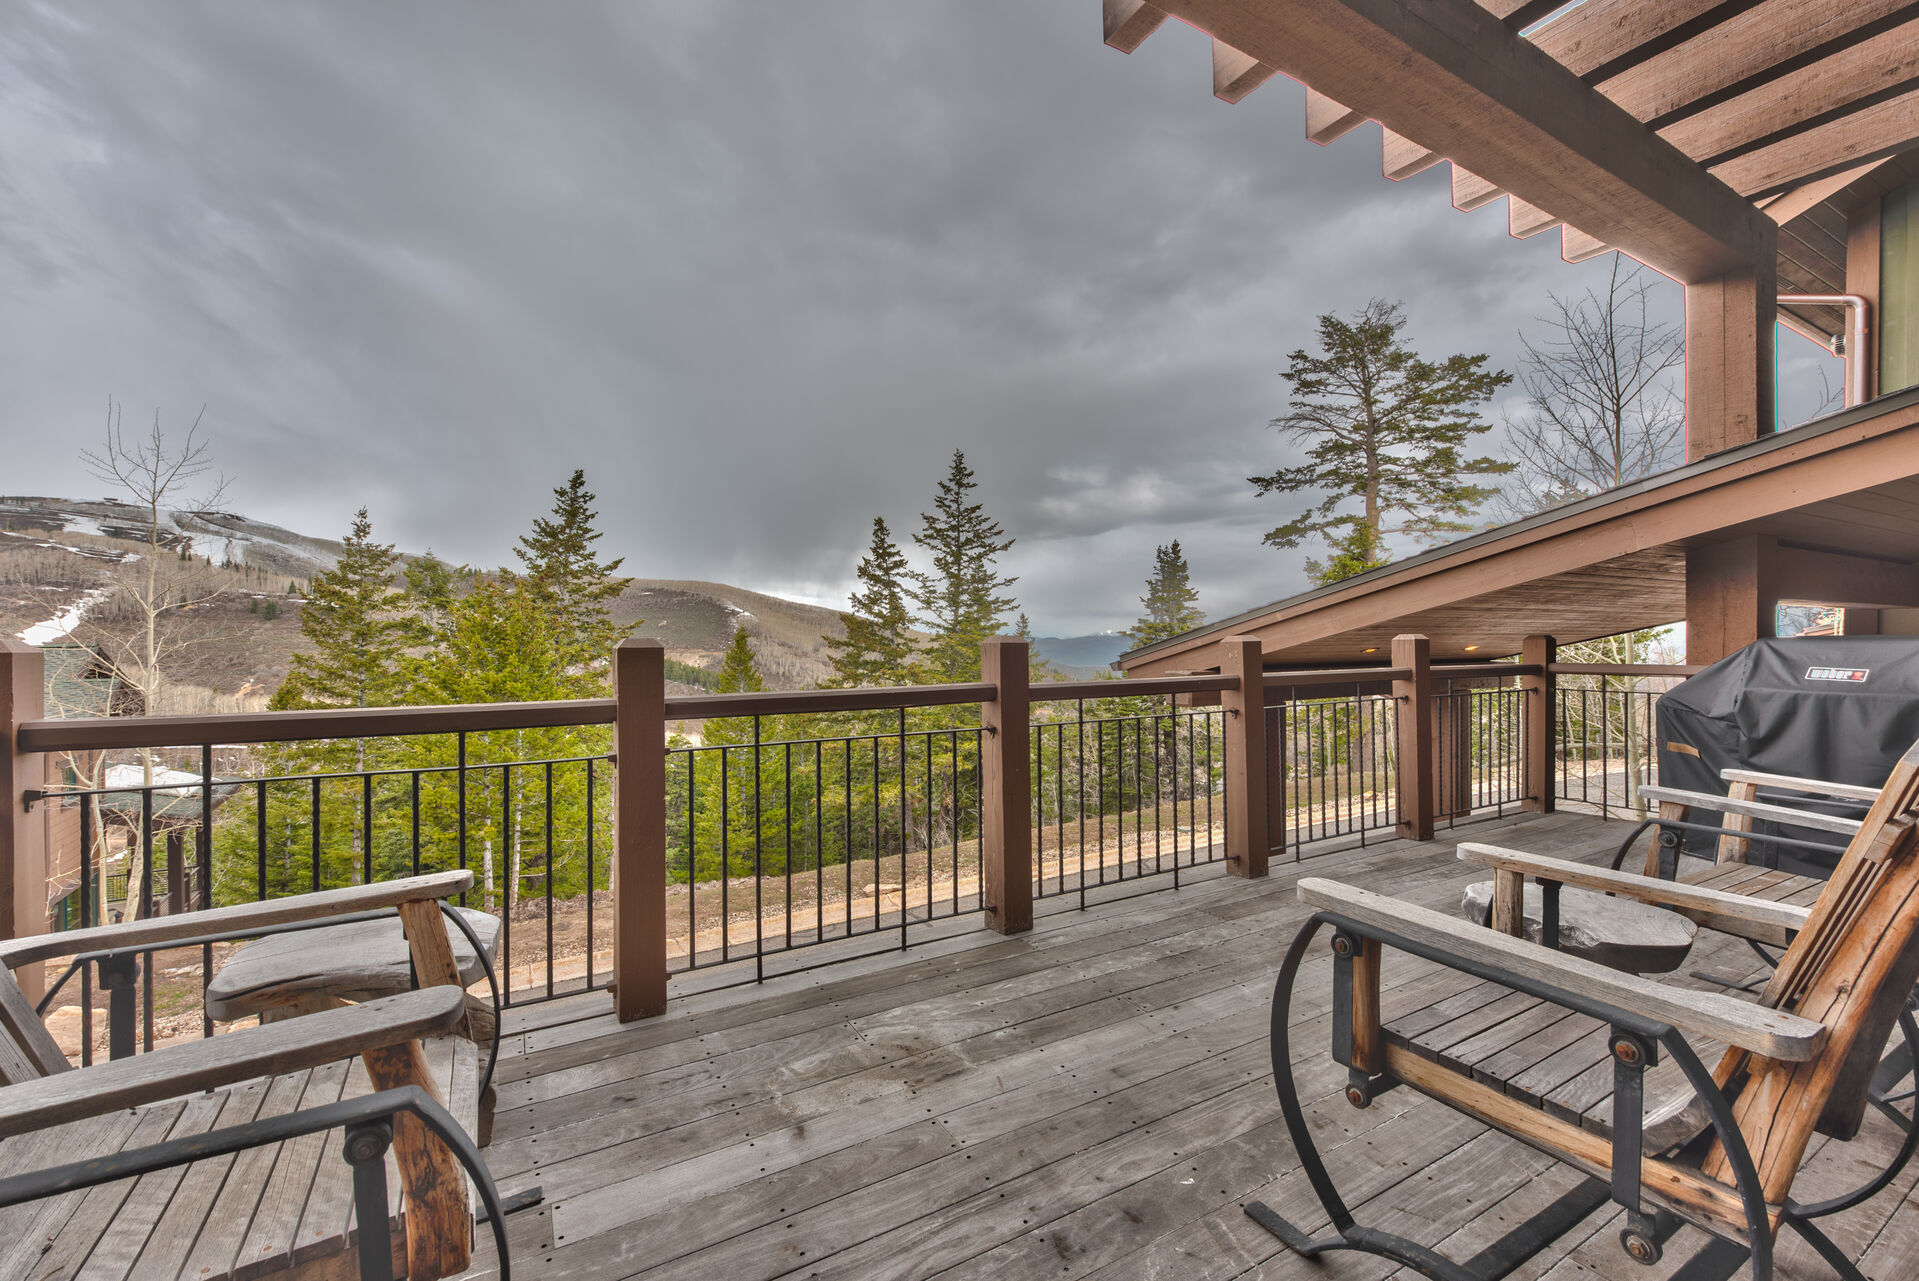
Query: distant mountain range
{"x":1082,"y":656}
{"x":55,"y":551}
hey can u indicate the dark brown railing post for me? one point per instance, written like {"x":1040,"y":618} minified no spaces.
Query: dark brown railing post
{"x":1245,"y":728}
{"x":639,"y":829}
{"x":1542,"y":721}
{"x":23,"y":844}
{"x":1413,"y":696}
{"x":1006,"y":786}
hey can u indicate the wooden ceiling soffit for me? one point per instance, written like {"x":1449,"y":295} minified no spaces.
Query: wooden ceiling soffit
{"x":1788,"y":205}
{"x":1451,"y":77}
{"x":1797,"y":472}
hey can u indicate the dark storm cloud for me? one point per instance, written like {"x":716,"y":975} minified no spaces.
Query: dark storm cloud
{"x":758,"y":268}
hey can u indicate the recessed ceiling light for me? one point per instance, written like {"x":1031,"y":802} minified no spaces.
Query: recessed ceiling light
{"x":1373,"y":650}
{"x":1471,"y":648}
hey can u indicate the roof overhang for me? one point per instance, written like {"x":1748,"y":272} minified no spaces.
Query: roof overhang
{"x":1841,"y":497}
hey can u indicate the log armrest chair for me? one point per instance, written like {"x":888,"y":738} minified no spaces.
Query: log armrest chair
{"x":72,"y":1141}
{"x":1669,"y":1140}
{"x":1836,"y":816}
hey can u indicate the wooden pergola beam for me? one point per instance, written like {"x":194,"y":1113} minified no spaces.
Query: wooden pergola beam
{"x":1763,"y":42}
{"x":1454,"y":78}
{"x":1872,"y":133}
{"x":1845,"y":81}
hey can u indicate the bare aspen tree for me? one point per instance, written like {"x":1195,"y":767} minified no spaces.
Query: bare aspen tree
{"x":161,"y":479}
{"x":1603,"y":410}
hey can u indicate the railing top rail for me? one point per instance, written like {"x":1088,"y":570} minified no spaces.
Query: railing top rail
{"x":1625,"y":669}
{"x":804,"y":702}
{"x":100,"y":733}
{"x":106,"y":733}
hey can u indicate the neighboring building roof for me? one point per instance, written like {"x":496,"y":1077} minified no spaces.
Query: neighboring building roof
{"x":1842,"y":488}
{"x":79,"y":683}
{"x":176,"y":794}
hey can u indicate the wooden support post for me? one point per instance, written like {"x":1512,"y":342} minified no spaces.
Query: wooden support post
{"x":1369,"y":1046}
{"x":1245,"y":728}
{"x":639,"y":829}
{"x":23,"y":834}
{"x":1006,"y":786}
{"x":1734,"y":847}
{"x":1542,"y":724}
{"x":1732,"y":595}
{"x":1276,"y":778}
{"x":1413,"y":701}
{"x":439,"y":1222}
{"x":1676,"y":813}
{"x":1508,"y":914}
{"x":1729,"y":337}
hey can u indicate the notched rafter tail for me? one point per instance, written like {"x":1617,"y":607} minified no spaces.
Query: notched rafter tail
{"x":1400,"y":157}
{"x":1327,"y":120}
{"x":1576,"y":246}
{"x":1129,"y":22}
{"x":1470,"y":191}
{"x":1525,"y":220}
{"x":1237,"y":74}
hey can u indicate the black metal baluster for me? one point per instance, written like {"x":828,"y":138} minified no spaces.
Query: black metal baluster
{"x":460,"y":775}
{"x":509,"y":881}
{"x":366,"y":827}
{"x":591,"y":804}
{"x":549,"y":878}
{"x":259,"y":840}
{"x":203,"y":840}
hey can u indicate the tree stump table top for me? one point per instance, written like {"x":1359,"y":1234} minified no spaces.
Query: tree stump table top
{"x":357,"y":961}
{"x":1616,"y":932}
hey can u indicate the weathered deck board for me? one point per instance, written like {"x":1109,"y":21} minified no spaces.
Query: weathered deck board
{"x":1092,"y":1099}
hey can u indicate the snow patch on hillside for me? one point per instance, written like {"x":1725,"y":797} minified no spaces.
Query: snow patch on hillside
{"x":60,"y":626}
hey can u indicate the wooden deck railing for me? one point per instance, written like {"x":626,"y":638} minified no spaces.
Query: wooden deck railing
{"x":1431,"y":776}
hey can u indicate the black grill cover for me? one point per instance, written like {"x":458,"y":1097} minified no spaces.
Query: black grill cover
{"x":1840,"y":708}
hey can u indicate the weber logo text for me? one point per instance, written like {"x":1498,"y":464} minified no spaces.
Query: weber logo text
{"x":1837,"y":673}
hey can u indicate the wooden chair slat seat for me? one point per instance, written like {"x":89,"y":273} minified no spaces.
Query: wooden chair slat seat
{"x":279,"y":1208}
{"x":1541,"y":1044}
{"x":282,"y":1206}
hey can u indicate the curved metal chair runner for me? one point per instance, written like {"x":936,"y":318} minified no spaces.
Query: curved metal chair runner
{"x":1721,"y":1150}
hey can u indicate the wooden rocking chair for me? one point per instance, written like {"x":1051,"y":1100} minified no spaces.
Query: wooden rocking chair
{"x":1668,"y":1140}
{"x":90,"y":1158}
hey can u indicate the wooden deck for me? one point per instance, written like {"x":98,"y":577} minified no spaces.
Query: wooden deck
{"x":1090,"y":1100}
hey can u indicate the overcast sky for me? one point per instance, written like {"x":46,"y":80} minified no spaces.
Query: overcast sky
{"x":758,"y":268}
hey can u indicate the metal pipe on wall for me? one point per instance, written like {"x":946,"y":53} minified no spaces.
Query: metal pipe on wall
{"x":1855,"y":347}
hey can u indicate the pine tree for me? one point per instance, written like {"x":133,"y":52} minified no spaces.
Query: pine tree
{"x":1386,"y":427}
{"x":878,"y":648}
{"x":353,"y":620}
{"x":429,"y":587}
{"x":563,"y":568}
{"x":963,"y":600}
{"x":1169,"y":598}
{"x":272,"y":610}
{"x":740,"y":669}
{"x":739,"y":674}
